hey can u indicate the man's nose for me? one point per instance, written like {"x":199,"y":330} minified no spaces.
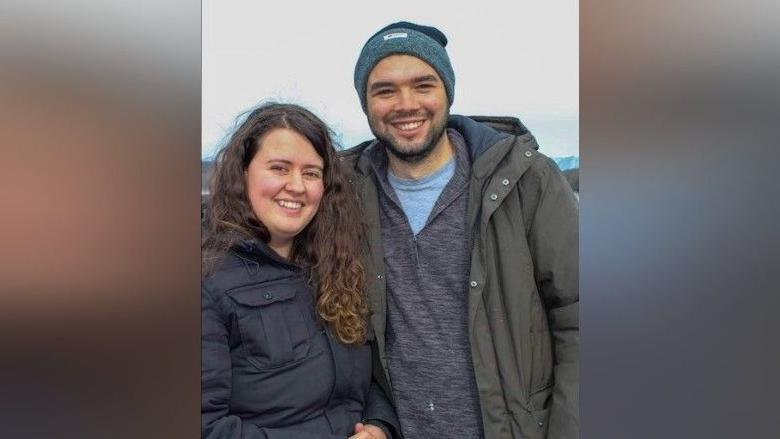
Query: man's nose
{"x":407,"y":101}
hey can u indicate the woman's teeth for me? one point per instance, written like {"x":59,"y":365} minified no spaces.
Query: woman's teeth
{"x":290,"y":204}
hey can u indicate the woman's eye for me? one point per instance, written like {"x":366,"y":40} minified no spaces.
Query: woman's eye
{"x":313,"y":175}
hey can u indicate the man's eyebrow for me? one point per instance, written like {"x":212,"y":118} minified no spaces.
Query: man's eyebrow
{"x":426,"y":78}
{"x":382,"y":84}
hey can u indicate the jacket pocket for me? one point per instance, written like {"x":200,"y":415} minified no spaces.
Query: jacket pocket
{"x":272,"y":325}
{"x":541,"y":373}
{"x":532,"y":423}
{"x":541,"y":365}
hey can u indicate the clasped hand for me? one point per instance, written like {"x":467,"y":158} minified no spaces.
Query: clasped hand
{"x":367,"y":431}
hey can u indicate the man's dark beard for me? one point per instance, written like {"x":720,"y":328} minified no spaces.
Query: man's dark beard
{"x":429,"y":143}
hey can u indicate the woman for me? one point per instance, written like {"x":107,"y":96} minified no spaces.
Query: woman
{"x":284,"y":318}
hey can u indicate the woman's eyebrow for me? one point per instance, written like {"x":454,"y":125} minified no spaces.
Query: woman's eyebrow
{"x":288,"y":162}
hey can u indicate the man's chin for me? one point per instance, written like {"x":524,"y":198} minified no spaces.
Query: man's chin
{"x":409,"y":154}
{"x":404,"y":149}
{"x":407,"y":150}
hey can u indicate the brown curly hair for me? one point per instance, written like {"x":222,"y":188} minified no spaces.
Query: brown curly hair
{"x":328,"y":248}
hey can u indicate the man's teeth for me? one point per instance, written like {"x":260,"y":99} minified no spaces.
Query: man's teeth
{"x":290,"y":204}
{"x":409,"y":125}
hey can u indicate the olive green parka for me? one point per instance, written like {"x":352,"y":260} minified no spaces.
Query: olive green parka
{"x":523,"y":289}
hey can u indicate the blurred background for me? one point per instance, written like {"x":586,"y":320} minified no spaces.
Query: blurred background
{"x":100,"y":116}
{"x":99,"y":231}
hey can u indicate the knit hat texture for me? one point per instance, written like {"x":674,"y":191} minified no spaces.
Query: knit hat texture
{"x":424,"y":42}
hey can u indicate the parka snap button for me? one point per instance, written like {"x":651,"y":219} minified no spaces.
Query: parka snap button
{"x":528,"y":153}
{"x":268,"y":296}
{"x":541,"y":423}
{"x":379,"y":276}
{"x":493,"y":197}
{"x":473,"y":284}
{"x":505,"y":182}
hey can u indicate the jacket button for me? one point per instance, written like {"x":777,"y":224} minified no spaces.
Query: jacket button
{"x":528,"y":153}
{"x":505,"y":182}
{"x":268,"y":296}
{"x":493,"y":197}
{"x":473,"y":284}
{"x":541,"y":424}
{"x":379,"y":276}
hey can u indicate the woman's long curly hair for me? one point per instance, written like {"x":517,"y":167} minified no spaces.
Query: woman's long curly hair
{"x":328,"y":248}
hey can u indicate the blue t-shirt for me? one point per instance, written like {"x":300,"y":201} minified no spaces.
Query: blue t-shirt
{"x":417,"y":196}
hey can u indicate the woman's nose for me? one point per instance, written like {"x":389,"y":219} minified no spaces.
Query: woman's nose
{"x":295,"y":183}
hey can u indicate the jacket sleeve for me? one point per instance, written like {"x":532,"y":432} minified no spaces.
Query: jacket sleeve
{"x":554,"y":243}
{"x":378,"y":408}
{"x":215,"y":382}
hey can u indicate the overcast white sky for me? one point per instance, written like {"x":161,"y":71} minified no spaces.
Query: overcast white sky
{"x":511,"y":57}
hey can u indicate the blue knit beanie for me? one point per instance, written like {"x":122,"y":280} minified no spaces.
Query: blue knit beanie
{"x":424,"y":42}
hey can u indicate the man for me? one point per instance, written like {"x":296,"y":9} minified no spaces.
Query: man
{"x":473,"y":255}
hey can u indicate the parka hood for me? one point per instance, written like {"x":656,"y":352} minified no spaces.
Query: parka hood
{"x":479,"y":137}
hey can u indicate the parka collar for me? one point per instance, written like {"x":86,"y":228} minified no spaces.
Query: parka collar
{"x":487,"y":146}
{"x":479,"y":137}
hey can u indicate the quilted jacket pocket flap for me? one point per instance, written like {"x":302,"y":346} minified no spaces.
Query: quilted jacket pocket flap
{"x":262,"y":296}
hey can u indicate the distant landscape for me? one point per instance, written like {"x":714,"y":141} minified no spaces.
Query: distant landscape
{"x":569,"y":162}
{"x":569,"y":165}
